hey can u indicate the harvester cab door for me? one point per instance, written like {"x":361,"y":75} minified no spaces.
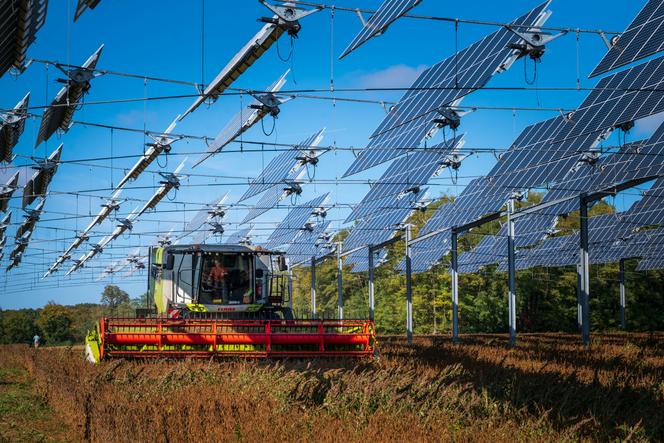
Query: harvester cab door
{"x":184,"y":272}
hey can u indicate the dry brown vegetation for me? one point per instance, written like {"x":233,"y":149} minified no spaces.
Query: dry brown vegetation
{"x":547,"y":389}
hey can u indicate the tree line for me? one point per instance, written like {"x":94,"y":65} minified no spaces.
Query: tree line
{"x":60,"y":324}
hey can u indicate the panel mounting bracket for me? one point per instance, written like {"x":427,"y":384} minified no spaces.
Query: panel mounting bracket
{"x":533,"y":42}
{"x":287,"y":16}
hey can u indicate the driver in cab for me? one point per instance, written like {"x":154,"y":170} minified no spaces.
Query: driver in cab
{"x":216,"y":280}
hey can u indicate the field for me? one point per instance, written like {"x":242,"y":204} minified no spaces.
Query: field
{"x":549,"y":388}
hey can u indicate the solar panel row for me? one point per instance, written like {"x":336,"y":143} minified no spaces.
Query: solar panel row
{"x":19,"y":22}
{"x":294,"y":221}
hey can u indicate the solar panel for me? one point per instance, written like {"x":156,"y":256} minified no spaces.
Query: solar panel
{"x":286,"y":19}
{"x":408,"y":173}
{"x":170,"y":182}
{"x":6,"y":192}
{"x":490,"y":250}
{"x":161,"y":144}
{"x":83,"y":5}
{"x":642,"y":38}
{"x":12,"y":125}
{"x":427,"y":253}
{"x":212,"y":210}
{"x":4,"y":223}
{"x":284,"y":164}
{"x":388,"y":12}
{"x":308,"y":243}
{"x":19,"y":22}
{"x":289,"y":187}
{"x":31,"y":218}
{"x":383,"y":224}
{"x":649,"y":210}
{"x":295,"y":221}
{"x":621,"y":98}
{"x":239,"y":237}
{"x":359,"y":261}
{"x":439,"y":86}
{"x":61,"y":110}
{"x":263,"y":105}
{"x":37,"y":185}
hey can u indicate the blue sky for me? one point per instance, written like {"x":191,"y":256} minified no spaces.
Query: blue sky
{"x":163,"y":39}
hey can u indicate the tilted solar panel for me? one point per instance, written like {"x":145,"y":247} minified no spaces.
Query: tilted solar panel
{"x":388,"y":12}
{"x":238,"y":237}
{"x":642,"y":38}
{"x":19,"y":22}
{"x":61,"y":110}
{"x":620,"y":99}
{"x":246,"y":118}
{"x":382,"y":226}
{"x":37,"y":185}
{"x":7,"y":190}
{"x":284,"y":164}
{"x":408,"y":173}
{"x":83,"y":6}
{"x":437,"y":87}
{"x":294,"y":221}
{"x":289,"y":187}
{"x":308,"y":243}
{"x":12,"y":125}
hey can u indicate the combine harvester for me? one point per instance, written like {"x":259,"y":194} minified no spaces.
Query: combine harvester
{"x":220,"y":301}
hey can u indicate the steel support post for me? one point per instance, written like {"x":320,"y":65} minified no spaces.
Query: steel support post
{"x":585,"y":271}
{"x":511,"y":270}
{"x":409,"y":289}
{"x":622,"y":294}
{"x":455,"y":289}
{"x":371,"y":284}
{"x":579,"y":283}
{"x":340,"y":284}
{"x":290,"y":289}
{"x":313,"y":287}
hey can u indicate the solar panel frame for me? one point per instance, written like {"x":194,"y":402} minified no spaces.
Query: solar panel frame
{"x":37,"y":185}
{"x":83,"y":5}
{"x":12,"y":125}
{"x":641,"y":39}
{"x":388,"y":12}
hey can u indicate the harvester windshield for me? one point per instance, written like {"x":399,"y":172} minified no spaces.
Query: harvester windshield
{"x":226,"y":279}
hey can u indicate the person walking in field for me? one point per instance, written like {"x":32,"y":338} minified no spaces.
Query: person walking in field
{"x":36,"y":339}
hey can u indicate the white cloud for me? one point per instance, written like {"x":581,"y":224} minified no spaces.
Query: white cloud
{"x":396,"y":76}
{"x":648,"y":125}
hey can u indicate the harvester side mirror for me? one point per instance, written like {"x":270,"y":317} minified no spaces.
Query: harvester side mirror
{"x":281,"y":260}
{"x":170,"y":262}
{"x":259,"y":273}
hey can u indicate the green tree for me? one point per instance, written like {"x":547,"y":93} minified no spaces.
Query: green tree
{"x":55,"y":323}
{"x":113,"y":297}
{"x":18,"y":326}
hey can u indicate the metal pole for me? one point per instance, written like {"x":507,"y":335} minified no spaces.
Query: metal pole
{"x":290,"y":289}
{"x":585,"y":271}
{"x":313,"y":287}
{"x":622,"y":294}
{"x":579,"y":283}
{"x":409,"y":294}
{"x":371,"y":284}
{"x":511,"y":270}
{"x":455,"y":290}
{"x":340,"y":284}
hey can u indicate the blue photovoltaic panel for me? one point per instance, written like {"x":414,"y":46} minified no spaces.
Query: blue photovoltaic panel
{"x":439,"y":86}
{"x":359,"y":261}
{"x":377,"y":24}
{"x":381,"y":226}
{"x":642,"y":38}
{"x":650,"y":209}
{"x":238,"y":236}
{"x":270,"y":199}
{"x":294,"y":221}
{"x":490,"y":250}
{"x":307,"y":244}
{"x":621,"y":98}
{"x":411,"y":171}
{"x":427,"y":253}
{"x":281,"y":166}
